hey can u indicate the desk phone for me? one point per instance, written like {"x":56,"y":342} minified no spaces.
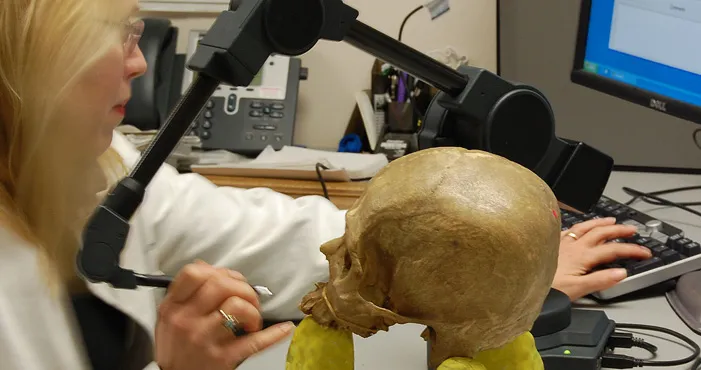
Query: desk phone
{"x":246,"y":119}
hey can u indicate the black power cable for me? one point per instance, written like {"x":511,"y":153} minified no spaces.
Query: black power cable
{"x":664,"y":192}
{"x":641,"y":343}
{"x":401,"y":28}
{"x":697,"y":364}
{"x":409,"y":88}
{"x":627,"y":340}
{"x":320,"y":177}
{"x":616,"y":361}
{"x":695,"y":136}
{"x":661,"y":201}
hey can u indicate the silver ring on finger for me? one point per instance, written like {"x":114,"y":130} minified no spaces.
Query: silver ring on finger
{"x":230,"y":323}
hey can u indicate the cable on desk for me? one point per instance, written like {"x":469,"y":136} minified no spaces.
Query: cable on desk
{"x":641,"y":343}
{"x":662,"y":201}
{"x":627,"y":340}
{"x":663,"y":192}
{"x":695,"y":136}
{"x":320,"y":167}
{"x":697,"y":364}
{"x":616,"y":361}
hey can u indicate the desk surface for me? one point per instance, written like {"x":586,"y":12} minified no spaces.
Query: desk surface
{"x":403,"y":348}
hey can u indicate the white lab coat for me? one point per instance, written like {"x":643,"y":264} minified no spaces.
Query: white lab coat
{"x":271,"y":238}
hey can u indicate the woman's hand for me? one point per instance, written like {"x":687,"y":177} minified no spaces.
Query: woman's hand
{"x":590,"y":248}
{"x":190,"y":333}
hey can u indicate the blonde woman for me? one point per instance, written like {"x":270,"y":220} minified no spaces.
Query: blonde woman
{"x":65,"y":73}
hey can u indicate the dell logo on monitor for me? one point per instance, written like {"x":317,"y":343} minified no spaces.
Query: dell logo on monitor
{"x":658,"y":104}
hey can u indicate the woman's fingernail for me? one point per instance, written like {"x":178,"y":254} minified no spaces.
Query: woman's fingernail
{"x":646,"y":249}
{"x":287,"y":327}
{"x":236,"y":275}
{"x":610,"y":219}
{"x":619,"y":274}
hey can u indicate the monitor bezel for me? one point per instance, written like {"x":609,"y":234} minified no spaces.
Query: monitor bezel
{"x":646,"y":98}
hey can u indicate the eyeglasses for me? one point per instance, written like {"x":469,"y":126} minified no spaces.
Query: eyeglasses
{"x":132,"y":34}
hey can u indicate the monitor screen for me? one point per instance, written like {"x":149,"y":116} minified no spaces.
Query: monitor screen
{"x":644,"y":51}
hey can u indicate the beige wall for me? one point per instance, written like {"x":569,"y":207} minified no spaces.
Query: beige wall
{"x":337,"y":70}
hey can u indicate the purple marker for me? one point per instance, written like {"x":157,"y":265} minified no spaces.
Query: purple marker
{"x":401,"y":93}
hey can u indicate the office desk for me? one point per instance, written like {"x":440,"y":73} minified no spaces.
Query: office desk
{"x":342,"y":194}
{"x":403,"y":348}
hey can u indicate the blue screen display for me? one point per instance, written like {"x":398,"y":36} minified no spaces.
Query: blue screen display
{"x":648,"y":44}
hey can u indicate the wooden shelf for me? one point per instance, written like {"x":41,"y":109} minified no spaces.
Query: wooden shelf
{"x":342,"y":194}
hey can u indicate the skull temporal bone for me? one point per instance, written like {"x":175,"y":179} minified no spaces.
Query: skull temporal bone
{"x":462,"y":241}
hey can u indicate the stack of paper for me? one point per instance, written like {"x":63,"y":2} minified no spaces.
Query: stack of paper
{"x":181,"y":157}
{"x":301,"y":163}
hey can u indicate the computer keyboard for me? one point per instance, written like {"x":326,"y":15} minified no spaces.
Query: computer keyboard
{"x":672,"y":254}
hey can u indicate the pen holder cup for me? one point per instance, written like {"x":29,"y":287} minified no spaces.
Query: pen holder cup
{"x":400,"y":117}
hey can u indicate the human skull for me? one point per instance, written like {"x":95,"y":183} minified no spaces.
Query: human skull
{"x":462,"y":241}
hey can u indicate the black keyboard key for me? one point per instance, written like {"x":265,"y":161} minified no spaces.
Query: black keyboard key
{"x":672,"y":241}
{"x":645,"y":265}
{"x":670,"y":256}
{"x":652,"y":244}
{"x":609,"y":209}
{"x":642,"y":241}
{"x":569,"y":220}
{"x":589,"y":216}
{"x":633,"y":239}
{"x":660,"y":250}
{"x":620,"y":214}
{"x":679,"y":245}
{"x":601,"y":205}
{"x":626,"y":262}
{"x":691,"y":249}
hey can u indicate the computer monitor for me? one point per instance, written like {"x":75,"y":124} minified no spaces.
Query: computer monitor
{"x":643,"y":51}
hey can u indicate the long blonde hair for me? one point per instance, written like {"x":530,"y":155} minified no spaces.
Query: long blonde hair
{"x":45,"y":194}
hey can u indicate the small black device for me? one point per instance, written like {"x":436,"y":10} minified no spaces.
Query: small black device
{"x":572,"y":339}
{"x":566,"y":338}
{"x":246,"y":119}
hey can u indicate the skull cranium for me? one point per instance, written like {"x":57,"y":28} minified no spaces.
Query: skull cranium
{"x":464,"y":242}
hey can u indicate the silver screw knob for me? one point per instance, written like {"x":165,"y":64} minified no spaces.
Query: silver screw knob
{"x":653,"y":226}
